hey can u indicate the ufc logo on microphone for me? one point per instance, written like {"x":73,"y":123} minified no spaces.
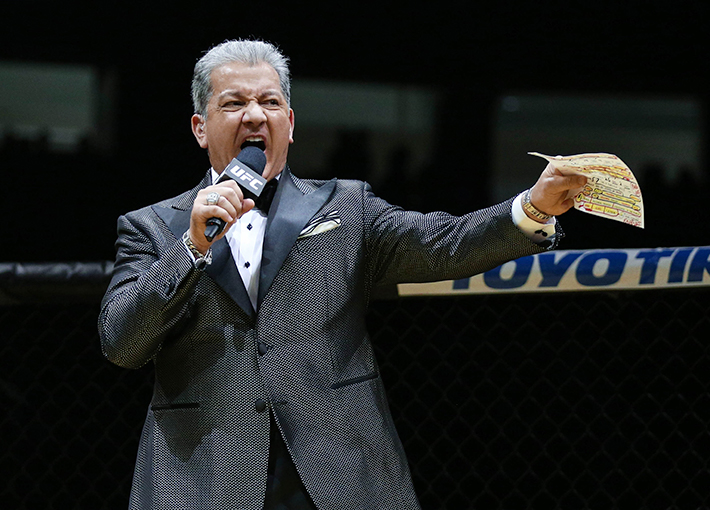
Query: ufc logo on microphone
{"x":251,"y":181}
{"x":245,"y":177}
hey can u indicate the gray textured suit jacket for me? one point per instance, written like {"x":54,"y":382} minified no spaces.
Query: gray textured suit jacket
{"x":306,"y":355}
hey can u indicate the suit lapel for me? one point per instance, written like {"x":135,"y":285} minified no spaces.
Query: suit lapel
{"x":222,"y":269}
{"x":289,"y":213}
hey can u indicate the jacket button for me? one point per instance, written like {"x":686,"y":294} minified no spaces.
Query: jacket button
{"x":263,"y":348}
{"x":260,"y":406}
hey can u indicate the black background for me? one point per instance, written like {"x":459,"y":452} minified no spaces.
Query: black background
{"x":470,"y":51}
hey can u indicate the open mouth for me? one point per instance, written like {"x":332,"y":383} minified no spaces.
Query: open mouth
{"x":259,"y":144}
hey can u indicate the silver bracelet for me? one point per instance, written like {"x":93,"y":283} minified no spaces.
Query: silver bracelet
{"x":201,"y":261}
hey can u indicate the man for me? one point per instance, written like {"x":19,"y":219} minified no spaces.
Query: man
{"x":267,"y":393}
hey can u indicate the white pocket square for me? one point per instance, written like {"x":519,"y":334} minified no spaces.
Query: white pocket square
{"x":321,"y":224}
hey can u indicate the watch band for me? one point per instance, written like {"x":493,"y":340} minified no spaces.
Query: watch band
{"x":534,"y":211}
{"x":201,"y":261}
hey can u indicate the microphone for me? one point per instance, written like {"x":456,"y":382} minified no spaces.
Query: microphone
{"x":246,"y":170}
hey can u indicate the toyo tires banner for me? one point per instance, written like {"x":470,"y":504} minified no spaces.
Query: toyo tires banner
{"x":584,"y":270}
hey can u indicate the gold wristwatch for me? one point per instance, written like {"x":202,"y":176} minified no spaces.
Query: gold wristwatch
{"x":528,"y":207}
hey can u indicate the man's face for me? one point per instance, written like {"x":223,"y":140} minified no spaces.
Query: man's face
{"x":247,"y":107}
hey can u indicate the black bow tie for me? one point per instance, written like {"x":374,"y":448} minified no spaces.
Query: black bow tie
{"x":263,"y":201}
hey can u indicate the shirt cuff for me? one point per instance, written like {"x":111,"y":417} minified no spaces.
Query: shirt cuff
{"x":539,"y":233}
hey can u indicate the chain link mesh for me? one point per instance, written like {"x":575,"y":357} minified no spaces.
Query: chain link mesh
{"x":587,"y":400}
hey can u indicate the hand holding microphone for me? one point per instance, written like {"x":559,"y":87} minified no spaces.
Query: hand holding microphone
{"x":234,"y":194}
{"x":245,"y":170}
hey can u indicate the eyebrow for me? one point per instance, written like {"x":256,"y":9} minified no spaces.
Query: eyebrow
{"x":239,"y":93}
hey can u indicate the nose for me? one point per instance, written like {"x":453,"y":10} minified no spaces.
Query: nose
{"x":253,"y":113}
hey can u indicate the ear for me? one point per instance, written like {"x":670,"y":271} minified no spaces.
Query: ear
{"x":292,"y":121}
{"x":198,"y":129}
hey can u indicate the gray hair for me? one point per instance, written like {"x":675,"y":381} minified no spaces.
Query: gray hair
{"x":251,"y":52}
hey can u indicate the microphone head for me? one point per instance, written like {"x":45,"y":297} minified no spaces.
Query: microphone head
{"x":253,"y":157}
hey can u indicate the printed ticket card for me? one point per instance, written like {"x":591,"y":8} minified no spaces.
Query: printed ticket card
{"x":612,"y":190}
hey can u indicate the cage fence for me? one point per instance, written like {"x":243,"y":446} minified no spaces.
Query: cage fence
{"x":552,"y":400}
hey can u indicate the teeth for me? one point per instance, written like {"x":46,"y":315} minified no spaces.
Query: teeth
{"x":256,"y":141}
